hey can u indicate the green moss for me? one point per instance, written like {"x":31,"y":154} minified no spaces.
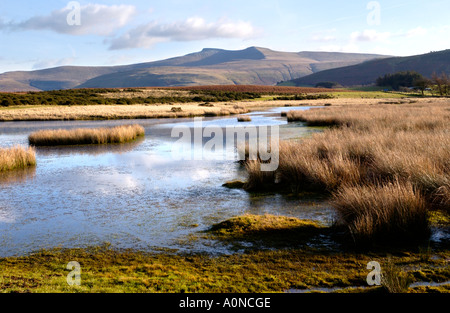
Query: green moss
{"x":267,"y":230}
{"x":304,"y":268}
{"x":107,"y":270}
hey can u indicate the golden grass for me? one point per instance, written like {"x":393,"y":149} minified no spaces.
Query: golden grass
{"x":382,"y":210}
{"x":61,"y":137}
{"x":16,"y":158}
{"x":144,"y":111}
{"x":395,"y":117}
{"x":114,"y":112}
{"x":392,"y":162}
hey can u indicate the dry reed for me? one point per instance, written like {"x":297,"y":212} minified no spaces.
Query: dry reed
{"x":384,"y":165}
{"x":61,"y":137}
{"x":16,"y":158}
{"x":393,"y":211}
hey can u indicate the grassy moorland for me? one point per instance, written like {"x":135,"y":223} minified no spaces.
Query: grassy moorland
{"x":84,"y":136}
{"x":385,"y":167}
{"x":16,"y":158}
{"x":149,"y":96}
{"x":140,"y":103}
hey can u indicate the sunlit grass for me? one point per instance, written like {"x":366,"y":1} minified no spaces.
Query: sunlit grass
{"x":16,"y":158}
{"x":385,"y":166}
{"x":119,"y":134}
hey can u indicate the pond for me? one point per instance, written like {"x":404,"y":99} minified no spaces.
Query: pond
{"x":136,"y":195}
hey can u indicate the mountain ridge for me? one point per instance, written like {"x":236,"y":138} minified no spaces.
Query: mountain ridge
{"x":367,"y":72}
{"x":250,"y":66}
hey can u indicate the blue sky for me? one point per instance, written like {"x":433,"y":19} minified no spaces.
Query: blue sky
{"x":42,"y":34}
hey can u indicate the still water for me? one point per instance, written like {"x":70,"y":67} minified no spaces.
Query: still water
{"x":136,"y":195}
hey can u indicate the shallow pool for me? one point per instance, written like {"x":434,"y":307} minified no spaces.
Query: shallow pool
{"x":138,"y":195}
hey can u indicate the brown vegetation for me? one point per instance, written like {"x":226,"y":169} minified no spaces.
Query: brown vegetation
{"x":244,"y":118}
{"x":61,"y":137}
{"x":382,"y":210}
{"x":16,"y":158}
{"x":257,"y":89}
{"x":385,"y":166}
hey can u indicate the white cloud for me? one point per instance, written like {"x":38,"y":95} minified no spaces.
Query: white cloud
{"x":94,"y":19}
{"x":192,"y":29}
{"x":370,"y":35}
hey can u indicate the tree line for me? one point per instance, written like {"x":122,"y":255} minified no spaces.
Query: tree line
{"x":438,"y":84}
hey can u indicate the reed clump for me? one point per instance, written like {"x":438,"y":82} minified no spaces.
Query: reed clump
{"x":17,"y":158}
{"x":385,"y":167}
{"x":379,"y":211}
{"x":62,"y":137}
{"x":244,"y":118}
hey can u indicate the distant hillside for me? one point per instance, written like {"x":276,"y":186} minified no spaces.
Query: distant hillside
{"x":366,"y":73}
{"x":251,"y":66}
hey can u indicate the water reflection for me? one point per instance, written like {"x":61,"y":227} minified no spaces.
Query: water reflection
{"x":17,"y":176}
{"x":135,"y":195}
{"x":90,"y":149}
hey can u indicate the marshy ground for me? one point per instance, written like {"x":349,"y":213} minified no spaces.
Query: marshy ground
{"x":278,"y":269}
{"x":383,"y":164}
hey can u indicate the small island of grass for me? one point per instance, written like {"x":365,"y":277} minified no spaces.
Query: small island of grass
{"x":16,"y":158}
{"x":62,"y":137}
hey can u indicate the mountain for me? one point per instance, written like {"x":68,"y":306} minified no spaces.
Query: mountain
{"x":366,"y":73}
{"x":251,"y":66}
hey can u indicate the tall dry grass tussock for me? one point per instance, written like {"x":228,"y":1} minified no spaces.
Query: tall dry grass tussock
{"x":119,"y":134}
{"x":392,"y":211}
{"x":396,"y":160}
{"x":16,"y":158}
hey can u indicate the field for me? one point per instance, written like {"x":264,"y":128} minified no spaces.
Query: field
{"x":381,"y":162}
{"x":268,"y":90}
{"x":148,"y":103}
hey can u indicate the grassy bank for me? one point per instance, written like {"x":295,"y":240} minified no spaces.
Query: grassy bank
{"x":168,"y":95}
{"x":61,"y":137}
{"x":385,"y":167}
{"x":115,"y":112}
{"x":16,"y":158}
{"x":166,"y":103}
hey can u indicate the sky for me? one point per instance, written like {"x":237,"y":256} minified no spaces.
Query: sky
{"x":43,"y":34}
